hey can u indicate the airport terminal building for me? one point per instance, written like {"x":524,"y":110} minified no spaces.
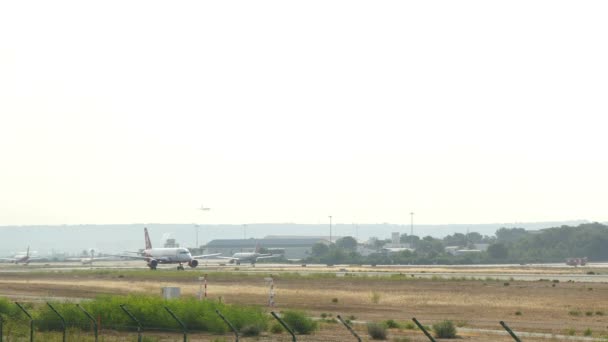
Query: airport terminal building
{"x":293,"y":247}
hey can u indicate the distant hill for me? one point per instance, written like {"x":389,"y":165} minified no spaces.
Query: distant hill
{"x":73,"y":239}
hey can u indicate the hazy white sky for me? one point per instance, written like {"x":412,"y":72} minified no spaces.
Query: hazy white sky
{"x":290,"y":111}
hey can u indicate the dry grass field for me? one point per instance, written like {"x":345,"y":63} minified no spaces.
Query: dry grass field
{"x":563,"y":308}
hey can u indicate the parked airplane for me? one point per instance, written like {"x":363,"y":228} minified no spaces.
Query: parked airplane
{"x":576,"y":261}
{"x":251,"y":257}
{"x":20,"y":258}
{"x":155,"y":256}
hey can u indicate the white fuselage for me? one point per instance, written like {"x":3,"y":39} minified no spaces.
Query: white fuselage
{"x":245,"y":256}
{"x":169,"y":255}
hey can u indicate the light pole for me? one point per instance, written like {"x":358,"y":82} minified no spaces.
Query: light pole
{"x":196,"y":230}
{"x":412,"y":224}
{"x":244,"y":232}
{"x":202,"y":208}
{"x":330,"y":229}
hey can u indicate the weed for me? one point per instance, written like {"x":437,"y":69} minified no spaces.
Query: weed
{"x":391,"y":324}
{"x":588,"y":332}
{"x":375,"y":297}
{"x":401,"y":339}
{"x":251,"y":330}
{"x":276,"y":328}
{"x":409,"y":326}
{"x":376,"y":331}
{"x":444,"y":329}
{"x":299,"y":322}
{"x":461,"y":324}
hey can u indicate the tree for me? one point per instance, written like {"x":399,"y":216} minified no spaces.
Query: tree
{"x":319,"y":249}
{"x":510,"y":234}
{"x":474,"y":237}
{"x":498,"y":251}
{"x":347,"y":242}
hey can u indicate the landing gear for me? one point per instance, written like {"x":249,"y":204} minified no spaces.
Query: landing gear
{"x":180,"y":267}
{"x":238,"y":262}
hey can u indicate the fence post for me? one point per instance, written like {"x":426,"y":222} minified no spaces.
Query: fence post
{"x":293,"y":336}
{"x":139,"y":328}
{"x":91,"y":318}
{"x":184,"y":330}
{"x":236,"y":333}
{"x":423,"y":329}
{"x":31,"y":321}
{"x":504,"y":325}
{"x":1,"y":328}
{"x":349,"y":328}
{"x":60,"y":317}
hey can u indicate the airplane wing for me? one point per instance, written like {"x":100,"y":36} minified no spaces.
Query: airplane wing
{"x":225,"y":257}
{"x":268,"y":256}
{"x":103,"y":258}
{"x":138,"y":257}
{"x":204,"y":256}
{"x":8,"y":259}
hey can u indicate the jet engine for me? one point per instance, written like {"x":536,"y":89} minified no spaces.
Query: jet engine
{"x":193,"y":263}
{"x":152,"y":264}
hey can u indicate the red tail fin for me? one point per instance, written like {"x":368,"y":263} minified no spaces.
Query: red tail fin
{"x":148,"y":243}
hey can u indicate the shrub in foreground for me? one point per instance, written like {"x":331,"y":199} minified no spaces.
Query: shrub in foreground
{"x":376,"y":331}
{"x":445,"y":329}
{"x":195,"y":314}
{"x":299,"y":322}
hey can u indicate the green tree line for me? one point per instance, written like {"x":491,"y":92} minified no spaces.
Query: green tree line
{"x":509,"y":245}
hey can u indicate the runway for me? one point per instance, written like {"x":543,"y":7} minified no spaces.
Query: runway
{"x":592,"y":273}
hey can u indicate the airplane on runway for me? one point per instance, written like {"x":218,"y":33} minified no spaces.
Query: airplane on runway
{"x":155,"y":256}
{"x":251,"y":257}
{"x":21,"y":258}
{"x":89,"y":260}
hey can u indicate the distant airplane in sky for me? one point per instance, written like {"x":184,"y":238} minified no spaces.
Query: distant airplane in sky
{"x":251,"y":257}
{"x":178,"y":255}
{"x":21,"y":258}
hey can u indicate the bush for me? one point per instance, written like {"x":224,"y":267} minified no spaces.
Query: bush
{"x":409,"y":326}
{"x":334,"y":300}
{"x":251,"y":330}
{"x":445,"y":329}
{"x":276,"y":328}
{"x":587,"y":332}
{"x":195,"y":314}
{"x":299,"y":322}
{"x":391,"y":324}
{"x":376,"y":331}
